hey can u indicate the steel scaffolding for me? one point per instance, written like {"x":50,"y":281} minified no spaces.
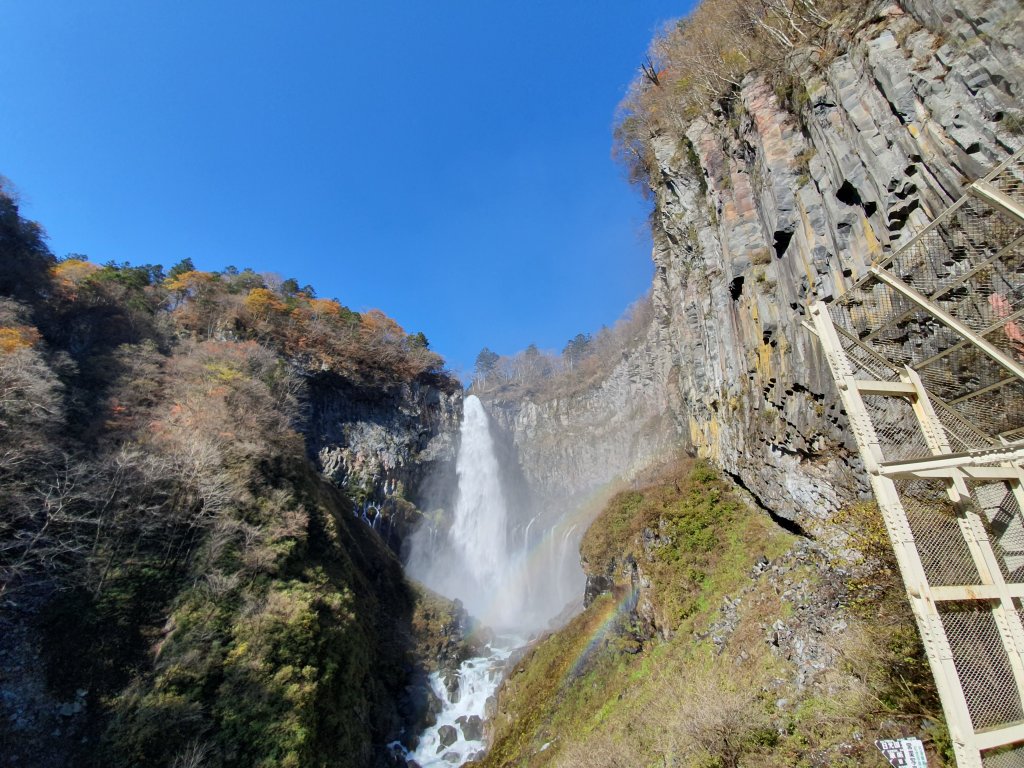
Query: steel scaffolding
{"x":927,"y":352}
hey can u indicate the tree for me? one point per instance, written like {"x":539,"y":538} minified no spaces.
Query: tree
{"x":31,"y":417}
{"x":198,"y":301}
{"x":485,"y":362}
{"x":243,"y":281}
{"x":650,"y":72}
{"x":183,"y":266}
{"x":70,"y":273}
{"x":263,"y":304}
{"x":25,"y":261}
{"x":577,"y":348}
{"x":419,"y":340}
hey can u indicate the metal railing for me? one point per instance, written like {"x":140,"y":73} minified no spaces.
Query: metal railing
{"x":927,"y":351}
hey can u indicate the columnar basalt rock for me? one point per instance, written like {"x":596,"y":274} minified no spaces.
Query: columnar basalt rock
{"x":393,"y":447}
{"x":784,"y":195}
{"x":571,"y":445}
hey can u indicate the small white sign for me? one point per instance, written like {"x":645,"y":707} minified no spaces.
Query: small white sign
{"x":903,"y":753}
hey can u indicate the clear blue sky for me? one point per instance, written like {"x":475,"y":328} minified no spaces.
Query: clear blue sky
{"x":447,"y":161}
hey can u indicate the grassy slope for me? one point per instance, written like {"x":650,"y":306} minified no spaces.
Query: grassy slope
{"x":610,"y":690}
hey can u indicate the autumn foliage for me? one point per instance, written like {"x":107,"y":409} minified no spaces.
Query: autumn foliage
{"x":157,"y":381}
{"x":18,"y":337}
{"x":698,"y":63}
{"x":164,"y":534}
{"x":71,"y":273}
{"x":320,"y":334}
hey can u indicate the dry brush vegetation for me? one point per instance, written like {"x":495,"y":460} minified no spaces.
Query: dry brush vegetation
{"x":697,"y":64}
{"x":163,"y":531}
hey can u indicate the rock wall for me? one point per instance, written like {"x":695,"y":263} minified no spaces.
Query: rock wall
{"x":784,"y":196}
{"x":569,"y":446}
{"x":392,"y":448}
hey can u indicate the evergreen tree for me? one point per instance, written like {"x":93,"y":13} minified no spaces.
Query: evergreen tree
{"x":183,"y":266}
{"x":485,"y":362}
{"x":577,"y":348}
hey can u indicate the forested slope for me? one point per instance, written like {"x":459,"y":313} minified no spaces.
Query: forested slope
{"x":179,"y":584}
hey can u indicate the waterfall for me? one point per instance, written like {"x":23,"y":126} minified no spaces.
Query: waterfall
{"x":506,"y":578}
{"x":479,"y":532}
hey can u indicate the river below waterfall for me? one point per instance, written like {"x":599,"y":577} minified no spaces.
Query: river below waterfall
{"x":458,"y":734}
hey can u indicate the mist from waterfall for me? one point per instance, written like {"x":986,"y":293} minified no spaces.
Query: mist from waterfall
{"x":514,"y":568}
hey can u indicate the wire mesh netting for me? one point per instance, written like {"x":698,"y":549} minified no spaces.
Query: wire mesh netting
{"x":1009,"y":757}
{"x":981,"y":663}
{"x":997,"y":506}
{"x":1011,"y":183}
{"x":896,"y":427}
{"x":950,"y":306}
{"x":969,"y":266}
{"x":936,"y":527}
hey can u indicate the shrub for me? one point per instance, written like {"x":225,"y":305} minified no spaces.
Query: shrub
{"x":701,"y":60}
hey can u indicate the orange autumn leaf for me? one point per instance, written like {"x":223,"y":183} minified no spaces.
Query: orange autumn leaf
{"x":20,"y":337}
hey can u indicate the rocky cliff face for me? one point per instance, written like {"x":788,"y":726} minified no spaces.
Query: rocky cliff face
{"x":784,"y":196}
{"x":393,"y":449}
{"x":569,"y":446}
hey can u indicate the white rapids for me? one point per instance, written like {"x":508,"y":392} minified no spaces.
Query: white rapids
{"x":457,"y":736}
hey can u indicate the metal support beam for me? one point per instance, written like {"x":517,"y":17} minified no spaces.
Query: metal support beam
{"x":886,"y":388}
{"x":981,"y":343}
{"x":1004,"y":612}
{"x":997,"y":199}
{"x":964,"y":342}
{"x":925,"y":610}
{"x":946,"y":461}
{"x":991,"y":738}
{"x":974,"y":592}
{"x":957,"y":282}
{"x":963,"y":511}
{"x":983,"y":391}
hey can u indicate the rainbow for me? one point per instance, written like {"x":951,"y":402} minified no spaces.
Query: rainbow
{"x":542,"y":558}
{"x":624,"y":605}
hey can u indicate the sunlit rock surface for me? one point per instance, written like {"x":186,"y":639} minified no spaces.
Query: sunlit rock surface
{"x":774,"y":206}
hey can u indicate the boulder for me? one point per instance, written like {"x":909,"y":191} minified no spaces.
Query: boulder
{"x":448,"y":736}
{"x":472,"y":727}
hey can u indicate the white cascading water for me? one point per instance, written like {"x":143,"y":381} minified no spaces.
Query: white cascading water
{"x":513,"y":571}
{"x":479,"y":532}
{"x":462,"y":715}
{"x":473,"y":565}
{"x":506,"y":578}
